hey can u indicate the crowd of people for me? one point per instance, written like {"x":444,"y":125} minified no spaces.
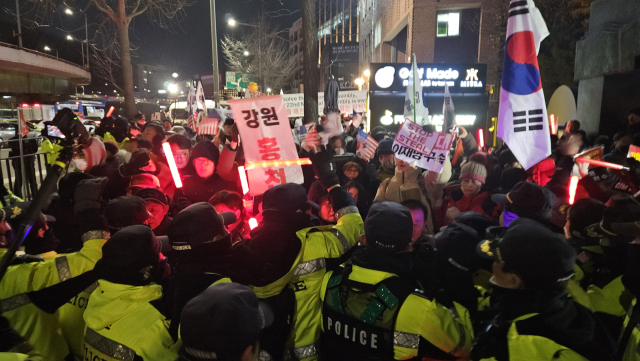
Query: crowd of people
{"x":367,"y":260}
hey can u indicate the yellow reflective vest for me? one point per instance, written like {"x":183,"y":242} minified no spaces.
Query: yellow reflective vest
{"x":533,"y":347}
{"x":122,"y":324}
{"x":306,"y":275}
{"x":42,"y":330}
{"x":419,"y":318}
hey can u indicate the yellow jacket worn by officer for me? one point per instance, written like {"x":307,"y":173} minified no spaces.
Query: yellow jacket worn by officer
{"x":284,"y":252}
{"x":372,"y":311}
{"x":531,"y":315}
{"x":124,"y":318}
{"x":40,"y":329}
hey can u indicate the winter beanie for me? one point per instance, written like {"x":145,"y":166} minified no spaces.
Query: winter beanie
{"x":474,"y":171}
{"x":206,"y":150}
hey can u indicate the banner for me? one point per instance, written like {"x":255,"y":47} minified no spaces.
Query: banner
{"x":522,"y":120}
{"x":267,"y":140}
{"x":416,"y":146}
{"x":24,"y":129}
{"x":348,"y":102}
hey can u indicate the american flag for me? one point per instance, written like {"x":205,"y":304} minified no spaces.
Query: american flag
{"x":366,"y":145}
{"x":312,"y":139}
{"x":208,"y":126}
{"x":302,"y":134}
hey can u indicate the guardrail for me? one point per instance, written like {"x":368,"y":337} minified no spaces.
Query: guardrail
{"x":35,"y":170}
{"x":7,"y":45}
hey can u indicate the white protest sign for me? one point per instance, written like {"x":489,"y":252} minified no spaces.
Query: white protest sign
{"x":155,"y":116}
{"x":267,"y":142}
{"x":348,"y":101}
{"x":427,"y":150}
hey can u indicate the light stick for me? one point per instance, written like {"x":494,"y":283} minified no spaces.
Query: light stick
{"x":600,"y":163}
{"x":172,"y":165}
{"x":243,"y":180}
{"x":573,"y":186}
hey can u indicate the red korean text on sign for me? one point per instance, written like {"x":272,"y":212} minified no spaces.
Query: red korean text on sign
{"x":275,"y":177}
{"x":269,"y":148}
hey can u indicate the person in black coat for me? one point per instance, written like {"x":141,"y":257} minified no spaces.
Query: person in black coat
{"x":201,"y":186}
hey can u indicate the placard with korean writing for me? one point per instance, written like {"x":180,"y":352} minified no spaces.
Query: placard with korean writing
{"x":596,"y":153}
{"x":267,"y":142}
{"x":416,"y":146}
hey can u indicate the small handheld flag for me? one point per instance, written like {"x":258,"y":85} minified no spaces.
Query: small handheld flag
{"x":312,"y":139}
{"x":366,"y":145}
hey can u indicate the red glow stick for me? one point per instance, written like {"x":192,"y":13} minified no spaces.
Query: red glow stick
{"x":552,"y":124}
{"x":172,"y":165}
{"x":573,"y":186}
{"x":243,"y":180}
{"x":600,"y":163}
{"x":481,"y":137}
{"x":110,"y":111}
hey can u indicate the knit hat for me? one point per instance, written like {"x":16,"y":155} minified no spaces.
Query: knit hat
{"x":125,"y":211}
{"x":385,"y":146}
{"x":206,"y":150}
{"x":144,"y":180}
{"x":153,"y":195}
{"x":94,"y":152}
{"x":474,"y":171}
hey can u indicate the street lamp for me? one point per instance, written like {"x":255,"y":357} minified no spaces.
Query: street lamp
{"x":245,"y":53}
{"x":173,"y":88}
{"x":367,"y":73}
{"x":268,"y":90}
{"x":174,"y":75}
{"x":68,"y":11}
{"x":232,"y":22}
{"x":46,"y":48}
{"x":359,"y":83}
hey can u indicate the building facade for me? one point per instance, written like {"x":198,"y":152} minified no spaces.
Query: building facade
{"x":442,"y":34}
{"x":295,"y":49}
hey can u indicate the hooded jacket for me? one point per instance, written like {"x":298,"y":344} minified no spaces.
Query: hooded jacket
{"x":414,"y":184}
{"x":123,"y":315}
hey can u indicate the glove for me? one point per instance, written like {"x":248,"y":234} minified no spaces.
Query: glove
{"x":138,"y":161}
{"x":88,"y":194}
{"x":324,"y":167}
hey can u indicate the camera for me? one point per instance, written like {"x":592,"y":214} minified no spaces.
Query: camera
{"x":67,"y":127}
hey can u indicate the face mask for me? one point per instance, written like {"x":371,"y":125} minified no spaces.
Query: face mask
{"x":509,"y":217}
{"x":79,"y":164}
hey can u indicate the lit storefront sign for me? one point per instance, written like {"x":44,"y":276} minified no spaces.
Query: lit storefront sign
{"x":461,"y":78}
{"x":436,"y":119}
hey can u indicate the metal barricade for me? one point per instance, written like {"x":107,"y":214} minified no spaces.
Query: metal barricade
{"x":35,"y":170}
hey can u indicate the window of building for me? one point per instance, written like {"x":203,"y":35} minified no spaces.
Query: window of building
{"x":295,"y":36}
{"x":377,"y":35}
{"x":295,"y":49}
{"x":448,"y":24}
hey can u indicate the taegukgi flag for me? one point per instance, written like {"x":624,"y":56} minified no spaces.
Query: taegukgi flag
{"x":522,"y":120}
{"x":448,"y":110}
{"x":414,"y":108}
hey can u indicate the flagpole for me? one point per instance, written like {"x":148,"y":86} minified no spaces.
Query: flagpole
{"x":414,"y":87}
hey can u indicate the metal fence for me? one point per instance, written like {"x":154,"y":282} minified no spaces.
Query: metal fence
{"x":35,"y":170}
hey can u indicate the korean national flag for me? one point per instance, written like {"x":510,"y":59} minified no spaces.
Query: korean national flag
{"x":414,"y":108}
{"x":522,"y":120}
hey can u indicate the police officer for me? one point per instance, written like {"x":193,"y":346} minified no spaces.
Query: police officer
{"x":531,"y":315}
{"x":285,"y":252}
{"x":200,"y":254}
{"x":124,"y":318}
{"x":223,"y":323}
{"x":373,"y":310}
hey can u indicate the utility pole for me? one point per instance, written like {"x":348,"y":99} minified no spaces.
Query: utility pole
{"x":19,"y":27}
{"x":214,"y":55}
{"x":86,"y":36}
{"x":310,"y":64}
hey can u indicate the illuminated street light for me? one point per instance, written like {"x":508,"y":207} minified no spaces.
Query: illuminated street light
{"x":231,"y":22}
{"x":46,"y":48}
{"x":173,"y":88}
{"x":174,"y":75}
{"x":69,"y":37}
{"x":359,"y":82}
{"x":246,"y":53}
{"x":68,"y":11}
{"x":367,"y":73}
{"x":268,"y":90}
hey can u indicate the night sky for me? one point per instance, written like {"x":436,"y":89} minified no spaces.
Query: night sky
{"x":186,"y":49}
{"x":190,"y":48}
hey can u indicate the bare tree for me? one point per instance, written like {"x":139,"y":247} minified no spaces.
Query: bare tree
{"x":262,"y":53}
{"x":117,"y":15}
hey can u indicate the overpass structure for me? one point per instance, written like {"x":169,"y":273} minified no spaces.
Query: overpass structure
{"x":31,"y":75}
